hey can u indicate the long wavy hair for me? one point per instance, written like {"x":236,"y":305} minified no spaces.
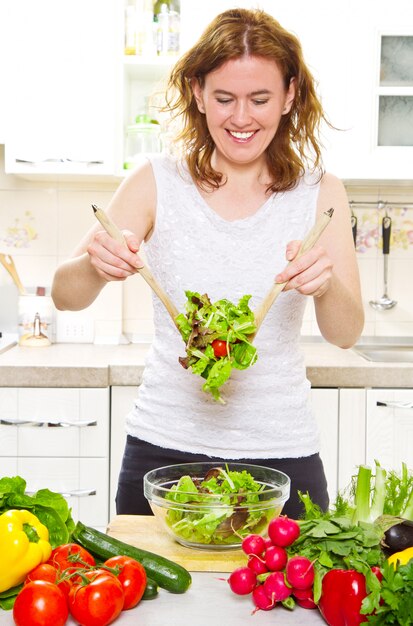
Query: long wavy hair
{"x":233,"y":34}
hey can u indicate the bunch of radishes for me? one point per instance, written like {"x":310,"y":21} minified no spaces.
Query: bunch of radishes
{"x":270,"y":575}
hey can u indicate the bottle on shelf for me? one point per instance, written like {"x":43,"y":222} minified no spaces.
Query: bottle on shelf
{"x":167,"y":27}
{"x":130,"y":27}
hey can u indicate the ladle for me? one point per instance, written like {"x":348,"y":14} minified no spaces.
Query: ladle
{"x":384,"y":303}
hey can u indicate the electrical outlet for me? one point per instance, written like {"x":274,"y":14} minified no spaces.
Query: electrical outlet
{"x":72,"y":327}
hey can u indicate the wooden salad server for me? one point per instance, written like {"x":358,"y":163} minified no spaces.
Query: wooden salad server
{"x":308,"y":242}
{"x":146,"y":274}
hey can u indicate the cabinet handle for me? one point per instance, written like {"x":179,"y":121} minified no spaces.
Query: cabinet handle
{"x":20,"y":422}
{"x":396,"y":405}
{"x":78,"y":493}
{"x":74,"y":493}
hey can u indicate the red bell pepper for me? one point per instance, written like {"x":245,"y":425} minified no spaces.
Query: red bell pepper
{"x":342,"y":593}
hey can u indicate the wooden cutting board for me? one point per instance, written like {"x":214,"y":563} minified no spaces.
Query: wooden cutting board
{"x":145,"y":531}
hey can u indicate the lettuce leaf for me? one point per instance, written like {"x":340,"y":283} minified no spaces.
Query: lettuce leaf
{"x":204,"y":322}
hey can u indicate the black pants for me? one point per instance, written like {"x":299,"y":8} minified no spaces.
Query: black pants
{"x":306,"y":474}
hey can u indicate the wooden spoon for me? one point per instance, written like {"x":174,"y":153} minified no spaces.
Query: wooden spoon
{"x":307,"y":243}
{"x":7,"y":262}
{"x":146,"y":274}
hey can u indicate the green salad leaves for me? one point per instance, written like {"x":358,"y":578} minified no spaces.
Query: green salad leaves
{"x":220,"y":509}
{"x":203,"y":325}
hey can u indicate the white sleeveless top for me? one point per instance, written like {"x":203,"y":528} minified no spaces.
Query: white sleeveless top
{"x":267,"y":412}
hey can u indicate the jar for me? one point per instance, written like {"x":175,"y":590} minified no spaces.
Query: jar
{"x":143,"y":137}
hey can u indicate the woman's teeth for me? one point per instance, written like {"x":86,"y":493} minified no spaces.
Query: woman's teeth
{"x":238,"y":135}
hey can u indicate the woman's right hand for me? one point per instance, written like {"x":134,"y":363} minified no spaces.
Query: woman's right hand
{"x":113,"y":260}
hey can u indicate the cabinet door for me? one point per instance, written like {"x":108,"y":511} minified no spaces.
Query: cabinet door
{"x":352,"y":434}
{"x":325,"y":407}
{"x":389,"y":436}
{"x":122,"y":399}
{"x":362,"y":150}
{"x":65,"y":63}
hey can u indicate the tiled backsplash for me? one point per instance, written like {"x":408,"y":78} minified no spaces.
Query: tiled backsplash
{"x":42,"y":222}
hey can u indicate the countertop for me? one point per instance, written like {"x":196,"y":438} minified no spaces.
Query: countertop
{"x":88,"y":365}
{"x":208,"y":601}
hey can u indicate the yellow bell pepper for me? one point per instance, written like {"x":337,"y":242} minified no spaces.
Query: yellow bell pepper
{"x":24,"y":544}
{"x":401,"y":558}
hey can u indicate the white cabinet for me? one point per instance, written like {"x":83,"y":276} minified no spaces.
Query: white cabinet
{"x":389,"y":427}
{"x":65,"y":84}
{"x":59,"y":439}
{"x":325,"y":406}
{"x":377,"y":93}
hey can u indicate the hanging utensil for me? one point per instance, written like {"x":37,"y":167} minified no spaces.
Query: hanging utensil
{"x":7,"y":262}
{"x":354,"y":228}
{"x":146,"y":274}
{"x":384,"y":303}
{"x":308,"y":242}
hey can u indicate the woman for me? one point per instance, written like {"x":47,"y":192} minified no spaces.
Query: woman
{"x":223,"y":220}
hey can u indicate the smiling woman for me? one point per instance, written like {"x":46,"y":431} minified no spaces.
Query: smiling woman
{"x":221,"y":217}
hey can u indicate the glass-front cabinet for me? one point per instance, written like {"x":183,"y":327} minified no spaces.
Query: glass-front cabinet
{"x":376,"y":142}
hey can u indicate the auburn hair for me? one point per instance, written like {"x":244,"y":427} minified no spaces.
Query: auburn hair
{"x":233,"y":34}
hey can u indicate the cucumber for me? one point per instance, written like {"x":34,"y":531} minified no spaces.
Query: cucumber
{"x":151,"y":590}
{"x":167,"y":574}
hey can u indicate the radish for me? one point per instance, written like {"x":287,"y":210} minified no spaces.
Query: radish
{"x":275,"y":558}
{"x":304,"y":598}
{"x":242,"y":581}
{"x":253,"y":544}
{"x":276,"y":588}
{"x":268,"y":542}
{"x":261,"y":600}
{"x":257,"y":564}
{"x":283,"y":531}
{"x":300,"y":572}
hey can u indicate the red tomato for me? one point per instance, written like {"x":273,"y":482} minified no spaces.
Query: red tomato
{"x":70,"y":555}
{"x":220,"y":348}
{"x":40,"y":603}
{"x":132,"y":577}
{"x":48,"y":572}
{"x":97,"y":602}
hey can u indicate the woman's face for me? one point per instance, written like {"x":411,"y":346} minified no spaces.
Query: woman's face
{"x":243,"y":101}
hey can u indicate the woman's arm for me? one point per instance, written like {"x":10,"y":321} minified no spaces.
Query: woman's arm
{"x":99,"y":259}
{"x":329,"y":271}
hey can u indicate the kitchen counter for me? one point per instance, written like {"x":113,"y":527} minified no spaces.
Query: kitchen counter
{"x":208,"y":601}
{"x":87,"y":365}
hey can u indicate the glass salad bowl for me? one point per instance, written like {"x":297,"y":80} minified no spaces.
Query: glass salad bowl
{"x":214,"y":506}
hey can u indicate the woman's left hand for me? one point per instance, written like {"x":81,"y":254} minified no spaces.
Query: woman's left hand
{"x":310,"y":274}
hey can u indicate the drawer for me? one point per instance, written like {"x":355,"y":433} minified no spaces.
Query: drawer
{"x":54,"y":422}
{"x":83,"y":482}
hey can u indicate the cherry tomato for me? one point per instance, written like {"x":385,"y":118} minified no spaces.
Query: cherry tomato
{"x":132,"y":576}
{"x":70,"y":556}
{"x":97,"y":600}
{"x":220,"y":348}
{"x":40,"y":603}
{"x":48,"y":572}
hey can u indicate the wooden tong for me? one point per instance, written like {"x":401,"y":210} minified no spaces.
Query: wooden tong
{"x":146,"y":274}
{"x":7,"y":262}
{"x":307,"y":243}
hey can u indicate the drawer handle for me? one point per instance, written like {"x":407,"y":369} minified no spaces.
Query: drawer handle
{"x":396,"y":405}
{"x":78,"y":493}
{"x":75,"y":493}
{"x":19,"y":422}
